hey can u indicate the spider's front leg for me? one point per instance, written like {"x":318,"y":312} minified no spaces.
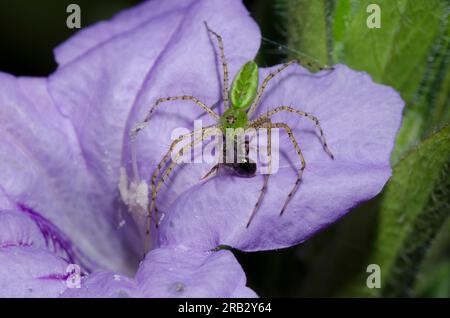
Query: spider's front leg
{"x":161,"y":164}
{"x":158,"y":168}
{"x":164,"y":160}
{"x":206,"y":132}
{"x":141,"y":125}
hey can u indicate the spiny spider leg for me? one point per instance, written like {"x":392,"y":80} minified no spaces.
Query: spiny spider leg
{"x":266,"y":81}
{"x":208,"y":131}
{"x":171,"y":148}
{"x":210,"y":172}
{"x":224,"y":66}
{"x":266,"y":176}
{"x":161,"y":164}
{"x":264,"y":84}
{"x":141,"y":125}
{"x":300,"y":113}
{"x":300,"y":154}
{"x":149,"y":209}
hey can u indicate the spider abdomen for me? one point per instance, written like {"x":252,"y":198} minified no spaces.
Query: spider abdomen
{"x":244,"y":86}
{"x":245,"y":169}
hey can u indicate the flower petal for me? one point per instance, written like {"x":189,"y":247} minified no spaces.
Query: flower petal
{"x":103,"y":285}
{"x":31,"y":272}
{"x":181,"y":272}
{"x":360,"y":120}
{"x":244,"y":292}
{"x":126,"y":20}
{"x":44,"y":174}
{"x":27,"y":267}
{"x":173,"y":272}
{"x":16,"y":229}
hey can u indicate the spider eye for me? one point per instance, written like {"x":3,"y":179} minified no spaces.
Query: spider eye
{"x":234,"y":118}
{"x":231,"y":119}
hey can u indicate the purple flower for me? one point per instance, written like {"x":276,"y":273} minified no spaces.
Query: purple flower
{"x":65,"y":140}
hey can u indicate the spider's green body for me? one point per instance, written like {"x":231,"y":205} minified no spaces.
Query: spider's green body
{"x":242,"y":94}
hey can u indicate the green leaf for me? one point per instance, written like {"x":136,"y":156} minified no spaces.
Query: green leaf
{"x":396,"y":53}
{"x":415,"y":205}
{"x":434,"y":274}
{"x":408,"y":52}
{"x":310,"y":32}
{"x":437,"y":282}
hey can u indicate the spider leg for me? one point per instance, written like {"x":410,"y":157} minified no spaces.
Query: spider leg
{"x":141,"y":125}
{"x":266,"y":81}
{"x":155,"y":173}
{"x":263,"y":190}
{"x":300,"y":113}
{"x":163,"y":162}
{"x":158,"y":168}
{"x":224,"y":66}
{"x":264,"y":84}
{"x":205,"y":133}
{"x":172,"y":146}
{"x":302,"y":159}
{"x":210,"y":172}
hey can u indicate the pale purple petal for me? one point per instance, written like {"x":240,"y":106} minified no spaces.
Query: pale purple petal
{"x":31,"y":272}
{"x":27,"y":267}
{"x":181,"y":272}
{"x":360,"y":120}
{"x":104,"y":285}
{"x":244,"y":292}
{"x":172,"y":272}
{"x":43,"y":172}
{"x":17,"y":229}
{"x":88,"y":38}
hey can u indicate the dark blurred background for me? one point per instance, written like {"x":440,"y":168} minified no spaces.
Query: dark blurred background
{"x":29,"y":30}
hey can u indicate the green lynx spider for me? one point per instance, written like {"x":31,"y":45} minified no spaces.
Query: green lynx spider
{"x":240,"y":102}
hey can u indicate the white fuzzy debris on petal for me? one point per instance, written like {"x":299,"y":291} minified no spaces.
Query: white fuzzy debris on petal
{"x":123,"y":185}
{"x":134,"y":195}
{"x":142,"y":194}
